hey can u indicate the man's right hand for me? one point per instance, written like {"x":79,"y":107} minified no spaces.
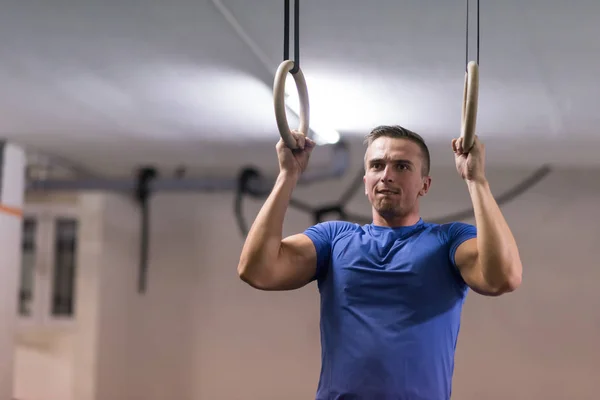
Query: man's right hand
{"x":295,"y":161}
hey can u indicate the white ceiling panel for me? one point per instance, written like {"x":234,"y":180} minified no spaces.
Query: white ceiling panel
{"x":112,"y":84}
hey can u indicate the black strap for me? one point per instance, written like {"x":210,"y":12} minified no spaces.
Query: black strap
{"x":286,"y":34}
{"x":467,"y":36}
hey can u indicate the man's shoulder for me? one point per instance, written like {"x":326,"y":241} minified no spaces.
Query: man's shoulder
{"x":448,"y":231}
{"x":338,"y":226}
{"x":448,"y":226}
{"x":333,"y":229}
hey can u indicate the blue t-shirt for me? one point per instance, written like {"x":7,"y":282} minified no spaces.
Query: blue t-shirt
{"x":391,"y":300}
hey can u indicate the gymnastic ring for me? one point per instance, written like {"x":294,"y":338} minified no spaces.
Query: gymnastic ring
{"x":469,"y":106}
{"x":279,"y":102}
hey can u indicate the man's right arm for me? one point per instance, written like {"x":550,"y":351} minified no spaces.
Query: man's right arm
{"x":269,"y":262}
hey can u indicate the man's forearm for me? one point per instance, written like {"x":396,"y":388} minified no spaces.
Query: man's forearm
{"x":264,"y":238}
{"x":498,"y":252}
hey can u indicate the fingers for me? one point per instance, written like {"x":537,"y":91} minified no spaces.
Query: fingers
{"x":302,"y":141}
{"x":457,"y":146}
{"x":459,"y":149}
{"x":310,"y":145}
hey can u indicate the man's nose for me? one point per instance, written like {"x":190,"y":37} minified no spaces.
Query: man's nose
{"x":387,"y":175}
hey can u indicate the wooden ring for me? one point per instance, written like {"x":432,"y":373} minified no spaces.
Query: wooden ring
{"x":279,"y":102}
{"x":469,"y":106}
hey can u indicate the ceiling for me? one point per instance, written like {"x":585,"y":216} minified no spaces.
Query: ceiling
{"x":110,"y":85}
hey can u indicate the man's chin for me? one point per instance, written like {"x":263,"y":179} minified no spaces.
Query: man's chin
{"x":387,"y":211}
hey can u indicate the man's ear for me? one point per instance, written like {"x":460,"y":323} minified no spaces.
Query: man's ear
{"x":365,"y":185}
{"x":426,"y":186}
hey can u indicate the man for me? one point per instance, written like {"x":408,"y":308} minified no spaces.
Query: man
{"x":391,"y":291}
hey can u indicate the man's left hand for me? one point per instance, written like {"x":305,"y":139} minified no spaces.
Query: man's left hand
{"x":470,"y":164}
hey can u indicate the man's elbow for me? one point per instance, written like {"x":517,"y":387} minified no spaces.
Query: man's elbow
{"x":246,"y":275}
{"x":253,"y":279}
{"x":510,"y":282}
{"x":514,"y":277}
{"x":243,"y":274}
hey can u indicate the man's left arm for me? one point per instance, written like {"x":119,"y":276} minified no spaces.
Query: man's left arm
{"x":490,"y":264}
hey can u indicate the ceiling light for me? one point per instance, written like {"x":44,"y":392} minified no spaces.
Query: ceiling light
{"x":324,"y":132}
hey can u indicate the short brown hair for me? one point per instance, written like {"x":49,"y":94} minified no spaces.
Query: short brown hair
{"x":398,"y":132}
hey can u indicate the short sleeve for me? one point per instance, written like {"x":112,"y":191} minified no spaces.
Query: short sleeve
{"x":458,"y":233}
{"x":323,"y":236}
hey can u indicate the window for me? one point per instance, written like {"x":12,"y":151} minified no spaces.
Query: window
{"x":65,"y":244}
{"x":27,"y":267}
{"x":49,"y":265}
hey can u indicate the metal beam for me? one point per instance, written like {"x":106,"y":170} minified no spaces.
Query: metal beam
{"x":340,"y":161}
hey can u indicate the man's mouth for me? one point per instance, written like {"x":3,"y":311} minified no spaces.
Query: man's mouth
{"x":387,"y":191}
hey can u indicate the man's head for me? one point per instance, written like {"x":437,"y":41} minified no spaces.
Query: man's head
{"x":397,"y":166}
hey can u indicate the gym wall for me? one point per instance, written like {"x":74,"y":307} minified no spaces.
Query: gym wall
{"x":200,"y":333}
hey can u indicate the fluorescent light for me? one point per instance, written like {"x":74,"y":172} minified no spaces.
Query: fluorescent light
{"x":324,"y":132}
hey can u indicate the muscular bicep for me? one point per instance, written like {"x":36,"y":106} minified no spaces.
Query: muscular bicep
{"x":466,"y":259}
{"x":296,"y":263}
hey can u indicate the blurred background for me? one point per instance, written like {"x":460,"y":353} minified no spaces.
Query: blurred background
{"x":123,"y":296}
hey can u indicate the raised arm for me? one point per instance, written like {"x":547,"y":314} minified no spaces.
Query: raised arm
{"x":268,"y":261}
{"x":489,"y":264}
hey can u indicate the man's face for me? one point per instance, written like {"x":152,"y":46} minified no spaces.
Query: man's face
{"x":393,"y":180}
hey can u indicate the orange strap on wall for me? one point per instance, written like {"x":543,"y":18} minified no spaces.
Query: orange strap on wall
{"x":17,"y":212}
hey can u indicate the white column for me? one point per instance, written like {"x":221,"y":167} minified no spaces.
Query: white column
{"x":129,"y":345}
{"x":12,"y":189}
